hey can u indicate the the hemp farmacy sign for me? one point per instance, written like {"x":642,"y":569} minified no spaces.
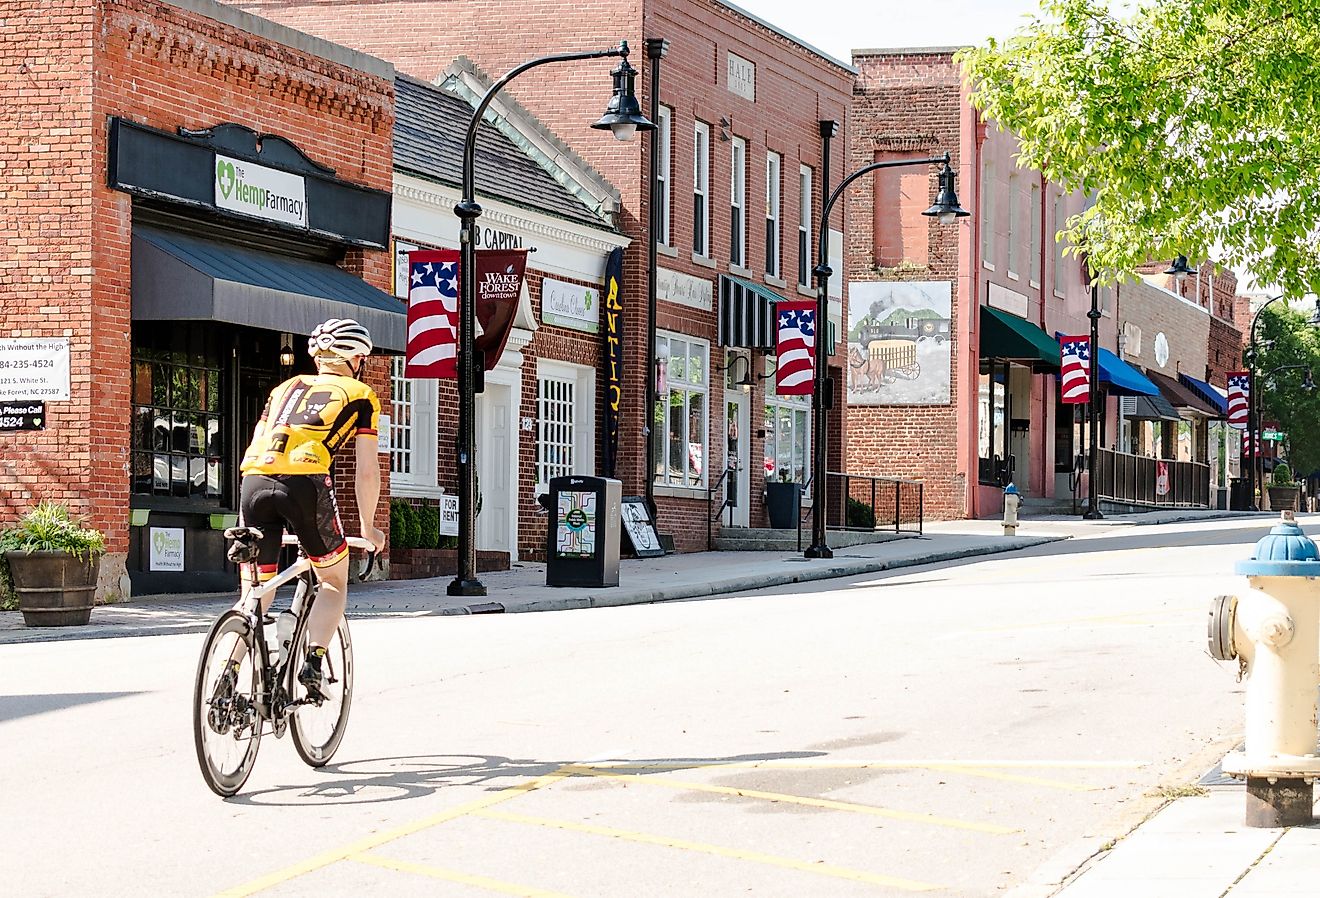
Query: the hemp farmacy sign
{"x":252,"y":189}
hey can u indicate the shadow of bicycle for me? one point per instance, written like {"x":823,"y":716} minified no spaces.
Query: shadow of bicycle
{"x":407,"y":777}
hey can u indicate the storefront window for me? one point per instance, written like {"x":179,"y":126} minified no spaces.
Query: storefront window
{"x":992,"y":424}
{"x":787,"y":435}
{"x":178,"y":435}
{"x":680,"y":413}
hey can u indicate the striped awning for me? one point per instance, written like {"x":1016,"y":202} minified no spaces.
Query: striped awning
{"x":747,"y":316}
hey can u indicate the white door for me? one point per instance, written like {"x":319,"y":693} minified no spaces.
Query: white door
{"x":737,"y":420}
{"x":496,"y":445}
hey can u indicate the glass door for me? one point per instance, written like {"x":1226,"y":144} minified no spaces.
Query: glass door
{"x":737,"y":418}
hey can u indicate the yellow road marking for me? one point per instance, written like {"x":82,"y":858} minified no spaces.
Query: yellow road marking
{"x":1012,"y":777}
{"x":327,"y":858}
{"x":467,"y":879}
{"x":892,"y":882}
{"x":826,"y":803}
{"x":847,"y":764}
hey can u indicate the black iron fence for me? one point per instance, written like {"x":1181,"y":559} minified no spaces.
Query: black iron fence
{"x":1154,"y":482}
{"x":865,"y":503}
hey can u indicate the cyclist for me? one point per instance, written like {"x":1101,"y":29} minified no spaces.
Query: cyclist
{"x":287,"y":479}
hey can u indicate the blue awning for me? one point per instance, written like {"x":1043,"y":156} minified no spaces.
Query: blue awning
{"x":1206,"y":392}
{"x":1123,"y":379}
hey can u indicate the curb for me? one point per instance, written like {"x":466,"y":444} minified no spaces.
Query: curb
{"x":765,"y":581}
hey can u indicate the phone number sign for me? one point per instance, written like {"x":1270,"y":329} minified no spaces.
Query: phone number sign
{"x":22,"y":416}
{"x":34,"y":368}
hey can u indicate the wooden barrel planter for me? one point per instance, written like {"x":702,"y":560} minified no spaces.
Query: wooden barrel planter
{"x":54,"y":589}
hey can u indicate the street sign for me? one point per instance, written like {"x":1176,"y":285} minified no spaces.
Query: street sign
{"x":1272,"y":436}
{"x":29,"y":415}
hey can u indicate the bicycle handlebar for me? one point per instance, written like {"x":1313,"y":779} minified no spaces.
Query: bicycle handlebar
{"x":354,"y":542}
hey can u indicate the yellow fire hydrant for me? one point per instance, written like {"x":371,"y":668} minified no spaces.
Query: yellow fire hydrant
{"x":1274,"y":629}
{"x":1012,"y":498}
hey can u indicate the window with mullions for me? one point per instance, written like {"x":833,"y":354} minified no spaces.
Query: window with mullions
{"x":680,"y":412}
{"x":787,"y":434}
{"x":178,"y":438}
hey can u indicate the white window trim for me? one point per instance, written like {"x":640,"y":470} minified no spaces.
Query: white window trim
{"x":1037,"y":228}
{"x":420,"y":482}
{"x":774,"y":179}
{"x":738,"y":199}
{"x":701,"y":183}
{"x":663,"y":175}
{"x":584,"y":416}
{"x":805,"y":179}
{"x":1012,"y":252}
{"x":987,"y":216}
{"x":662,"y":481}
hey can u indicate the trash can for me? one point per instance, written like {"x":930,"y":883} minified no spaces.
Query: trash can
{"x":1239,"y":494}
{"x":582,"y":536}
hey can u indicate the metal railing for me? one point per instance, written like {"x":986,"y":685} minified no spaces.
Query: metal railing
{"x":1154,"y":482}
{"x":730,"y":501}
{"x":865,"y":503}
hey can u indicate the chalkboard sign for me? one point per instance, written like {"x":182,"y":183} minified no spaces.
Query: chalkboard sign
{"x":640,"y":529}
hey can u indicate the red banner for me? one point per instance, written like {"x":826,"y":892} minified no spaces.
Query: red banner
{"x":499,"y":287}
{"x":1239,"y":398}
{"x":795,"y":347}
{"x":432,"y":349}
{"x":1075,"y":373}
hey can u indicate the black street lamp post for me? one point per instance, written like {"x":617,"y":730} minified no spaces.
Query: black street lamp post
{"x":656,"y":48}
{"x":1253,"y":420}
{"x":947,"y":210}
{"x":1092,"y":512}
{"x":623,"y":117}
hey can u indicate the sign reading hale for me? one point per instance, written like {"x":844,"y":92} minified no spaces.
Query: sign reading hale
{"x":251,"y":189}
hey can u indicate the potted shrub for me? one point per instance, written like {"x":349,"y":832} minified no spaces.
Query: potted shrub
{"x":1283,"y":491}
{"x":52,"y":562}
{"x":783,"y":501}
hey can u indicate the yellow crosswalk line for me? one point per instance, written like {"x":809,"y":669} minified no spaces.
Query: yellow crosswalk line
{"x":820,"y":869}
{"x":467,"y":879}
{"x":826,"y":803}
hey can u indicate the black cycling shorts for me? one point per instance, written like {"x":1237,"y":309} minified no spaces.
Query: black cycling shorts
{"x":305,"y":504}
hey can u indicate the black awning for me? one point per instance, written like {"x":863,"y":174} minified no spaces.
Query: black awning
{"x":1149,"y":408}
{"x":179,"y":277}
{"x":746,"y":315}
{"x":1180,"y":396}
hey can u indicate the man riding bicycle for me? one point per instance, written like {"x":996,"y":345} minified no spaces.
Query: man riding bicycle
{"x":287,"y":480}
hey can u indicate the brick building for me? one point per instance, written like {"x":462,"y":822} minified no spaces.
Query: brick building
{"x":968,"y":412}
{"x":739,"y":149}
{"x":189,"y":186}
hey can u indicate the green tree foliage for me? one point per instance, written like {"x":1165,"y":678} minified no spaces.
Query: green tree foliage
{"x":1194,"y":123}
{"x":1286,"y":338}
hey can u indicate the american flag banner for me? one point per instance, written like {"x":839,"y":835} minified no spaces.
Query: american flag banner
{"x":1246,"y":445}
{"x":796,"y":348}
{"x":1075,"y":376}
{"x":432,"y":314}
{"x":1239,"y":395}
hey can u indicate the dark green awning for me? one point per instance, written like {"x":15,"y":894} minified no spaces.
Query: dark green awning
{"x":1006,"y":336}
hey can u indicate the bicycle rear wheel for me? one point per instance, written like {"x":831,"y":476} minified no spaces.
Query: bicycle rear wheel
{"x":226,"y":720}
{"x":318,"y":729}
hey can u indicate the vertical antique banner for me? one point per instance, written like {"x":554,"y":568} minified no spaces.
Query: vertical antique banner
{"x":613,"y":296}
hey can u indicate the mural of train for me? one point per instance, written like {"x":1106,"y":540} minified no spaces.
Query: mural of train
{"x":881,"y":353}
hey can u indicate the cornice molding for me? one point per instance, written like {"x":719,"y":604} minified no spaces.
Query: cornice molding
{"x":444,"y":199}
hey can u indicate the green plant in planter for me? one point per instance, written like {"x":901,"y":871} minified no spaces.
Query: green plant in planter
{"x":860,"y":514}
{"x":1281,"y":475}
{"x":53,"y":552}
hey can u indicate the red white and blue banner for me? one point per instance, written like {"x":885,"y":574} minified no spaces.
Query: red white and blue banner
{"x":1075,"y":375}
{"x":1246,"y":445}
{"x":795,"y":345}
{"x":432,"y":349}
{"x":1239,"y":398}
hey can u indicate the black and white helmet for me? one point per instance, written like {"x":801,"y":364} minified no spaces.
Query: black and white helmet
{"x":341,"y":338}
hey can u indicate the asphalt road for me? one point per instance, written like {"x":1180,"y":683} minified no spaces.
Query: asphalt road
{"x":949,"y":729}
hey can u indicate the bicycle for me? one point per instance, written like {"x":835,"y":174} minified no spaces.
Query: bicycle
{"x":231,"y":711}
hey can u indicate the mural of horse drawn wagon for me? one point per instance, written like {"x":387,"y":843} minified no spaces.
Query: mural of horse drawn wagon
{"x":882,"y":362}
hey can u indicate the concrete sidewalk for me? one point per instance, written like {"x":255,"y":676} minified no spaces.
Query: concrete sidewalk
{"x":522,"y":588}
{"x":1198,"y":847}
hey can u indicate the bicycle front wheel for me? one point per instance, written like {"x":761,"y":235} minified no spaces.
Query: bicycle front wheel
{"x":319,"y":728}
{"x":226,"y":719}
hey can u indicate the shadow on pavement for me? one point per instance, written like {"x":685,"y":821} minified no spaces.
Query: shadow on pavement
{"x":375,"y":780}
{"x":12,"y":707}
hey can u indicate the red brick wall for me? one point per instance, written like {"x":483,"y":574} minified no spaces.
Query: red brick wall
{"x":46,"y":228}
{"x":794,"y":89}
{"x":908,"y":105}
{"x":165,"y":67}
{"x":1225,"y":352}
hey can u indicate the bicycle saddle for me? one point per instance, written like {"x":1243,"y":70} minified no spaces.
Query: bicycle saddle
{"x":243,"y":545}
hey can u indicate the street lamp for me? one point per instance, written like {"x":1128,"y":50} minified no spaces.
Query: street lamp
{"x":946,"y":209}
{"x":623,"y":118}
{"x":1092,"y":512}
{"x":1179,"y":269}
{"x":1253,"y":479}
{"x":656,"y":48}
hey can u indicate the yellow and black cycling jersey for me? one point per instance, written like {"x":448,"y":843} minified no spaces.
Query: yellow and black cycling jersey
{"x":307,"y":420}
